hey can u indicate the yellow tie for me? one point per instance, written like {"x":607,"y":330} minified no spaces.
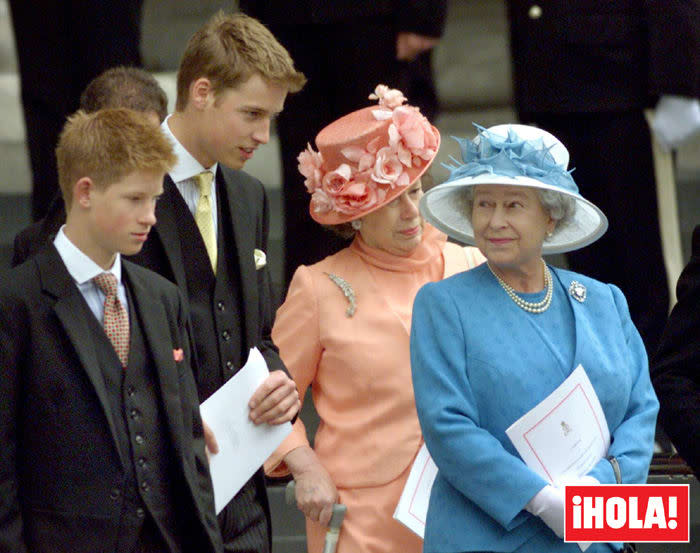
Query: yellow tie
{"x":203,"y":215}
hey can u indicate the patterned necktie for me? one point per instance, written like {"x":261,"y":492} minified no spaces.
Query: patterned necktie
{"x":116,"y":319}
{"x":203,"y":215}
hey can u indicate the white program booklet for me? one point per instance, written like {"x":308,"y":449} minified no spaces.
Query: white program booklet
{"x":243,"y":446}
{"x":412,"y":508}
{"x":566,"y":434}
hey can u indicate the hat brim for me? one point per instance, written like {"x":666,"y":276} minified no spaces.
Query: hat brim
{"x":444,"y":207}
{"x":337,"y":218}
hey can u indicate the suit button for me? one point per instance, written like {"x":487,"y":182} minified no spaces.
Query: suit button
{"x":130,"y":391}
{"x":141,"y":462}
{"x":220,"y":305}
{"x":144,"y":486}
{"x":114,"y":494}
{"x":229,"y":365}
{"x":134,"y":414}
{"x":535,"y":12}
{"x":226,"y":335}
{"x":139,"y":439}
{"x":140,"y":512}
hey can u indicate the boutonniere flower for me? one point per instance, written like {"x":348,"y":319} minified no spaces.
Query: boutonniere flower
{"x":260,"y":258}
{"x":178,"y":355}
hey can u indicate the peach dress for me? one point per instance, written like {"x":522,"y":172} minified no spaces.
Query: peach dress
{"x":358,"y":367}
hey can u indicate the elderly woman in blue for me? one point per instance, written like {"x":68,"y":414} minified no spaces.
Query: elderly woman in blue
{"x":489,"y":344}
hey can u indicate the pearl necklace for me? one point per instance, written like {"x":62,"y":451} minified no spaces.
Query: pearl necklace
{"x":529,"y":306}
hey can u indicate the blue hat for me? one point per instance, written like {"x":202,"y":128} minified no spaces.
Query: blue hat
{"x":513,"y":155}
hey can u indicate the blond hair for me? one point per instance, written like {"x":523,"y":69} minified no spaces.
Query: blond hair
{"x":108,"y":145}
{"x":230,"y":49}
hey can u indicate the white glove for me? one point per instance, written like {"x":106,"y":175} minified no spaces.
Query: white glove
{"x":548,"y":504}
{"x":676,"y":119}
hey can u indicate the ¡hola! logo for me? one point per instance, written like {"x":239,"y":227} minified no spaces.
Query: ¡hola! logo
{"x":627,"y":513}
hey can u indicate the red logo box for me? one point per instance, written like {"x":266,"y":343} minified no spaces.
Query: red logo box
{"x":621,"y":513}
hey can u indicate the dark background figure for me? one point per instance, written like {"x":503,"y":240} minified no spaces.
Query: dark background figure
{"x":125,"y":87}
{"x":675,"y":370}
{"x":586,"y":71}
{"x":60,"y":47}
{"x":344,"y":48}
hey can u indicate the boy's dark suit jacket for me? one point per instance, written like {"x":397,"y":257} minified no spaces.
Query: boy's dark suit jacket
{"x":245,"y":523}
{"x":675,"y":369}
{"x":59,"y":461}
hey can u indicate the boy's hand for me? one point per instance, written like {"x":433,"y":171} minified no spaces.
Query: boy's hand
{"x":210,"y":443}
{"x":276,"y":400}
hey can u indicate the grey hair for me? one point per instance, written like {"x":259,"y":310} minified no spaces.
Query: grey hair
{"x":561,"y":207}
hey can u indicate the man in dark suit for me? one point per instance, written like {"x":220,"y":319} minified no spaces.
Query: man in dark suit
{"x":585,"y":71}
{"x":101,"y":441}
{"x":212,"y":227}
{"x":118,"y":87}
{"x":345,"y":48}
{"x":675,"y":369}
{"x":61,"y":46}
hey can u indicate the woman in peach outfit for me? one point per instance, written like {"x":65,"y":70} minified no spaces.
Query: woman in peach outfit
{"x":344,"y":326}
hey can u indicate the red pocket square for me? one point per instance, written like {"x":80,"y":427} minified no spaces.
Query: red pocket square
{"x":178,"y":355}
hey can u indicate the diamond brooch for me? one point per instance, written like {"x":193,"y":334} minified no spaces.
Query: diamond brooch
{"x":577,"y":291}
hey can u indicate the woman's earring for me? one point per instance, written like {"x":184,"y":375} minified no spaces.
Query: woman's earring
{"x":356,"y":224}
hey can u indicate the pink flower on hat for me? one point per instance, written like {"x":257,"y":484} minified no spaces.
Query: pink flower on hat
{"x":334,"y":181}
{"x":363,"y":157}
{"x":388,"y":169}
{"x":359,"y":194}
{"x":411,"y":133}
{"x":310,"y":163}
{"x":322,"y":203}
{"x":390,"y":98}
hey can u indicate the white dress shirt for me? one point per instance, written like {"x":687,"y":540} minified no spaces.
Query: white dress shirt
{"x":83,"y":270}
{"x":184,"y":171}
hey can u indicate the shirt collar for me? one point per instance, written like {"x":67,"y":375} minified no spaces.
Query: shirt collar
{"x":187,"y":166}
{"x":79,"y":265}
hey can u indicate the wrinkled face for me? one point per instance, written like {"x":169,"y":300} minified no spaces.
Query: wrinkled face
{"x":397,"y":227}
{"x":510,"y":225}
{"x":120,"y":215}
{"x":236,"y":121}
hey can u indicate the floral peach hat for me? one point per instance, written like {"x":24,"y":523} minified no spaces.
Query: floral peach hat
{"x":367,"y":158}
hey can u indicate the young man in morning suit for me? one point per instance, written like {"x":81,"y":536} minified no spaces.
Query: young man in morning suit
{"x":118,"y":87}
{"x":210,"y":240}
{"x":101,"y":442}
